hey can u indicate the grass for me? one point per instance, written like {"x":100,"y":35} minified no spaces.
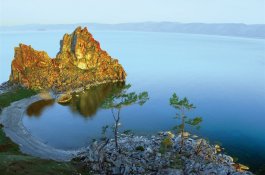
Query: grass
{"x":165,"y":145}
{"x":13,"y":162}
{"x":26,"y":165}
{"x":177,"y":162}
{"x":139,"y":148}
{"x":6,"y":145}
{"x":17,"y":94}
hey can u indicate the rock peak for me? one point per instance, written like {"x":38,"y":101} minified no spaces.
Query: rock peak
{"x":80,"y":30}
{"x":81,"y":48}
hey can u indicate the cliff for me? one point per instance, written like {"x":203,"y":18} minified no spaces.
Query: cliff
{"x":80,"y":62}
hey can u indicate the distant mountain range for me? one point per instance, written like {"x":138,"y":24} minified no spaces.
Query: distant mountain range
{"x":225,"y":29}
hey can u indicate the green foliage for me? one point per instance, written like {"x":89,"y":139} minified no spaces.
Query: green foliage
{"x":139,"y":148}
{"x":165,"y":145}
{"x":120,"y":98}
{"x":142,"y":98}
{"x":195,"y":121}
{"x":176,"y":162}
{"x":7,"y":98}
{"x":183,"y":106}
{"x":167,"y":142}
{"x":6,"y":145}
{"x":178,"y":128}
{"x":162,"y":149}
{"x":27,"y":165}
{"x":180,"y":104}
{"x":127,"y":132}
{"x":13,"y":162}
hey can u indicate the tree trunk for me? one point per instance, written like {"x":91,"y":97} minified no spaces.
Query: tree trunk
{"x":116,"y":129}
{"x":182,"y":133}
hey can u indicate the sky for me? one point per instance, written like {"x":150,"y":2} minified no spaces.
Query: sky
{"x":20,"y":12}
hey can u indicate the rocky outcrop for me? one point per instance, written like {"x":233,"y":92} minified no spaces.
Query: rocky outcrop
{"x":158,"y":154}
{"x":32,"y":69}
{"x":80,"y":62}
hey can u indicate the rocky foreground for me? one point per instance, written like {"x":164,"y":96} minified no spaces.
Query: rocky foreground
{"x":158,"y":155}
{"x":80,"y":62}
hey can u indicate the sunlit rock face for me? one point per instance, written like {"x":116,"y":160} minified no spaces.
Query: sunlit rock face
{"x":79,"y":62}
{"x":81,"y":48}
{"x":31,"y":68}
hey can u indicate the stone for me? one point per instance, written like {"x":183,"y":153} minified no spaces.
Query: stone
{"x":128,"y":160}
{"x":194,"y":136}
{"x":217,"y":148}
{"x":240,"y":167}
{"x":149,"y":150}
{"x":80,"y":62}
{"x":170,"y":134}
{"x":64,"y":98}
{"x":185,"y":134}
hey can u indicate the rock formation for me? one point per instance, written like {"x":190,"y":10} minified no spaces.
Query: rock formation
{"x":80,"y":62}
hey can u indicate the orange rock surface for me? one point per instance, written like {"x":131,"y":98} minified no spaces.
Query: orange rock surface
{"x":79,"y":62}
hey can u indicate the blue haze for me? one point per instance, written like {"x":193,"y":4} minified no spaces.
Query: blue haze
{"x":17,"y":12}
{"x":223,"y":76}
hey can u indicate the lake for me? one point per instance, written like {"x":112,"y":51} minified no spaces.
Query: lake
{"x":224,"y":77}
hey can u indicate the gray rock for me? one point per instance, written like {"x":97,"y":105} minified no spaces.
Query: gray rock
{"x":170,"y":171}
{"x":130,"y":161}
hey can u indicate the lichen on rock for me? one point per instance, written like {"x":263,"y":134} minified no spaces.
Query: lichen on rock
{"x":80,"y":62}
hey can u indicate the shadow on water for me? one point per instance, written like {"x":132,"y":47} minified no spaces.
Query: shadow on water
{"x":86,"y":103}
{"x":36,"y":108}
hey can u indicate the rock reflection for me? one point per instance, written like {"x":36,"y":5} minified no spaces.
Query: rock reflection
{"x":36,"y":108}
{"x":85,"y":103}
{"x":119,"y":99}
{"x":88,"y":102}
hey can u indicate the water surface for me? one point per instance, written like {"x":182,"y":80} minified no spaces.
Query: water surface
{"x":223,"y":76}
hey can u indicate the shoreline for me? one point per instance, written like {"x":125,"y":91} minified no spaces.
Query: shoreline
{"x":7,"y":86}
{"x":11,"y":118}
{"x":88,"y":86}
{"x":158,"y":154}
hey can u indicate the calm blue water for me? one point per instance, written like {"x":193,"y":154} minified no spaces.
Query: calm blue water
{"x":223,"y":76}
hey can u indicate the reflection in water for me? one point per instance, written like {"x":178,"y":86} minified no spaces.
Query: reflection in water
{"x":213,"y":76}
{"x":117,"y":100}
{"x":36,"y":108}
{"x":86,"y":103}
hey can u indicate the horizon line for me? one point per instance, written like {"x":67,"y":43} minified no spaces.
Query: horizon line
{"x":32,"y":24}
